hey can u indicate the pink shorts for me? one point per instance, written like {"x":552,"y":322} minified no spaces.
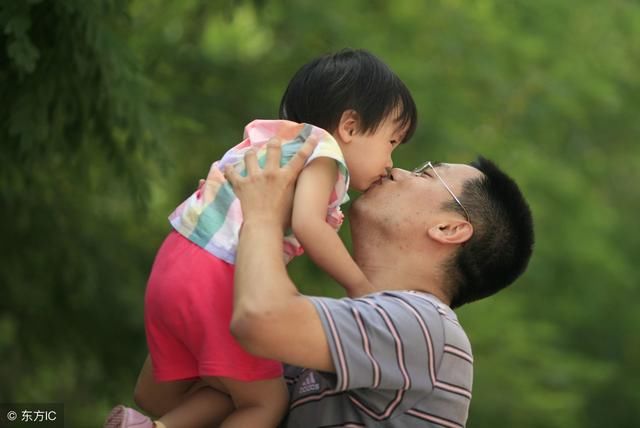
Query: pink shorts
{"x":187,"y":313}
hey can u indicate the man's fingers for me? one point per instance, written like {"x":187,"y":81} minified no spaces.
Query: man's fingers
{"x":298,"y":160}
{"x":251,"y":162}
{"x":272,"y":163}
{"x":231,"y":175}
{"x":274,"y":151}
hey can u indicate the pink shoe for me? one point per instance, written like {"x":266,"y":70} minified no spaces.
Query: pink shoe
{"x":124,"y":417}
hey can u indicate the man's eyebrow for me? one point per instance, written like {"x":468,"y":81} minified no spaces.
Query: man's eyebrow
{"x":435,"y":164}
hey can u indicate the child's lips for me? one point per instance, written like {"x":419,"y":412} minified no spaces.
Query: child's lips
{"x":378,"y":182}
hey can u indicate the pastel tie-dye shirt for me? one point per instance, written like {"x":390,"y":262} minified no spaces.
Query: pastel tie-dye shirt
{"x":211,"y":217}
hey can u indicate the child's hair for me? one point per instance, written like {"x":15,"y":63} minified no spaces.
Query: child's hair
{"x":351,"y":79}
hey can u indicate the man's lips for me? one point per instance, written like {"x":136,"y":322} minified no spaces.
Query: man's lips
{"x":378,"y":182}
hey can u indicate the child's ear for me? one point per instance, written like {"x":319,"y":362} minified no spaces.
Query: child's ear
{"x":348,"y":125}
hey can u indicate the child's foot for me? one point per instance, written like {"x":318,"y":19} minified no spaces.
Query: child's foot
{"x":124,"y":417}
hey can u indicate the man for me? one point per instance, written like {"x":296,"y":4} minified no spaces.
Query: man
{"x":428,"y":241}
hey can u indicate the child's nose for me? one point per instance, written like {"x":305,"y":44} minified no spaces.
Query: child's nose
{"x":389,"y":164}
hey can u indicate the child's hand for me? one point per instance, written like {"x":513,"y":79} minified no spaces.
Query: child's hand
{"x":266,"y":195}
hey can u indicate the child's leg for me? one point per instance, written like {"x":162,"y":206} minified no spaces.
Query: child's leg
{"x":158,"y":398}
{"x":205,"y":407}
{"x":181,"y":404}
{"x":258,"y":404}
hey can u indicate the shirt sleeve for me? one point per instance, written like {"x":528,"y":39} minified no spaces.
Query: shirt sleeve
{"x":386,"y":341}
{"x":294,"y":135}
{"x":328,"y":147}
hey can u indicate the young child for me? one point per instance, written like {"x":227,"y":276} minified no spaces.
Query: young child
{"x":359,"y":111}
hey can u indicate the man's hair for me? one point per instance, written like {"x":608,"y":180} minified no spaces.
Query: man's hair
{"x":502,"y":241}
{"x":351,"y":79}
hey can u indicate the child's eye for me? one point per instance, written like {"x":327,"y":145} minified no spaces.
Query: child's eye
{"x":393,"y":142}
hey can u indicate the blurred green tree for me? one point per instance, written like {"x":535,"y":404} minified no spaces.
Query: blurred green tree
{"x":78,"y":149}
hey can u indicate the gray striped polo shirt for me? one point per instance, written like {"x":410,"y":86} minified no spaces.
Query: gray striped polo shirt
{"x":401,"y":358}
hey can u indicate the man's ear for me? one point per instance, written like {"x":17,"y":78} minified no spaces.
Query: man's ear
{"x":348,"y":125}
{"x":452,"y":232}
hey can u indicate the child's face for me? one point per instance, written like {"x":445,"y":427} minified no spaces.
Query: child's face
{"x":368,"y":156}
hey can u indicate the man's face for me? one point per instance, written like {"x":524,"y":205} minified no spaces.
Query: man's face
{"x":407,"y":201}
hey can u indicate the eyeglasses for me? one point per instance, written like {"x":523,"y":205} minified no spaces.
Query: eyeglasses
{"x":421,"y":169}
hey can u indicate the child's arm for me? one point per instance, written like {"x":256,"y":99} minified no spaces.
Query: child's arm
{"x":318,"y":238}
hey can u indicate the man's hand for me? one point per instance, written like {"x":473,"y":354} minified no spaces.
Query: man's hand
{"x":269,"y":314}
{"x":266,"y":195}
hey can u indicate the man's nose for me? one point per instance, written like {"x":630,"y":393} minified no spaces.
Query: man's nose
{"x":398,"y":173}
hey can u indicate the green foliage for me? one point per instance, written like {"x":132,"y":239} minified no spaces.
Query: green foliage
{"x":112,"y":110}
{"x":77,"y":152}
